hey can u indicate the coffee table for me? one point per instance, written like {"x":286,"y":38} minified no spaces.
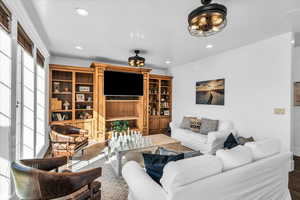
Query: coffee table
{"x":115,"y":158}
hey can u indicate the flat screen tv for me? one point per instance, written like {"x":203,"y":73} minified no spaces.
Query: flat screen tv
{"x":123,"y":84}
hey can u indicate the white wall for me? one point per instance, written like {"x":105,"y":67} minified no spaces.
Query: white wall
{"x":60,"y":60}
{"x":257,"y":80}
{"x":296,"y":109}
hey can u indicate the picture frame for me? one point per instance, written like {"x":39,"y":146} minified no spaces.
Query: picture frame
{"x":84,"y":88}
{"x":80,"y":97}
{"x":211,"y":92}
{"x":297,"y":94}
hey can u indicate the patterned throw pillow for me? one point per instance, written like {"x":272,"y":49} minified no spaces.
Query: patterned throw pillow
{"x":195,"y":125}
{"x":186,"y":122}
{"x":242,"y":140}
{"x":208,"y":125}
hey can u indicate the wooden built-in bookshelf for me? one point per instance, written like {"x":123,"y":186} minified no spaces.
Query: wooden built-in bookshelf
{"x":76,"y":97}
{"x":71,"y":96}
{"x":160,"y":103}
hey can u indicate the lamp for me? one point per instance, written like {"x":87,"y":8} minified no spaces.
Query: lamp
{"x":208,"y":19}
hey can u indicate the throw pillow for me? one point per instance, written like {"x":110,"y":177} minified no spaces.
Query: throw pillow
{"x":243,"y":140}
{"x":186,"y":122}
{"x":208,"y":125}
{"x":230,"y":142}
{"x":155,"y":164}
{"x":195,"y":125}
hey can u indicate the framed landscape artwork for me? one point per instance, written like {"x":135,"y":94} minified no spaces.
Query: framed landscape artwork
{"x":297,"y":94}
{"x":210,"y":92}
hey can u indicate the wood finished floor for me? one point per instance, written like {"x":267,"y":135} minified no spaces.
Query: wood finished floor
{"x":294,"y":180}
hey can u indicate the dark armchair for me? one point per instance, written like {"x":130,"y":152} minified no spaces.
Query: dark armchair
{"x":35,"y":183}
{"x":67,"y":140}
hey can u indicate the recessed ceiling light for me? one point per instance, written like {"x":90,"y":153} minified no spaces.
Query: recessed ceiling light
{"x":168,"y":62}
{"x":293,"y":41}
{"x":209,"y":46}
{"x":79,"y":47}
{"x":82,"y":12}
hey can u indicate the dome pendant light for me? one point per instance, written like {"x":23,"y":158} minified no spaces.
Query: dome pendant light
{"x":136,"y":61}
{"x":208,"y":19}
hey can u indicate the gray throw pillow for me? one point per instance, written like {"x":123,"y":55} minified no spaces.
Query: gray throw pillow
{"x":186,"y":122}
{"x":208,"y":125}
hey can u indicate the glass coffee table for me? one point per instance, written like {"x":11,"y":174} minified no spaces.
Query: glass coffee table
{"x":115,"y":153}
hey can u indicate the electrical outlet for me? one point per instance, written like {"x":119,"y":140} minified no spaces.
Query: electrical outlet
{"x":279,"y":111}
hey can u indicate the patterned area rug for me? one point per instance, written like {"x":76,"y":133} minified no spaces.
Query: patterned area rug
{"x":113,"y":188}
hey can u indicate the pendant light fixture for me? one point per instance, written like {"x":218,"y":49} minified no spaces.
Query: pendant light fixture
{"x":136,"y":61}
{"x":208,"y":19}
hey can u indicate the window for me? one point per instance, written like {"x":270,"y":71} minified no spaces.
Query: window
{"x":28,"y":108}
{"x":33,"y":97}
{"x":5,"y":115}
{"x":40,"y":102}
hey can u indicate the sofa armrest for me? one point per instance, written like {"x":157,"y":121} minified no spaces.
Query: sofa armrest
{"x":217,"y":137}
{"x":141,"y":186}
{"x":173,"y":125}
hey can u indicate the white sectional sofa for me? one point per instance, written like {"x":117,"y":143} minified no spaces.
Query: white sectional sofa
{"x":207,"y":144}
{"x":253,"y":172}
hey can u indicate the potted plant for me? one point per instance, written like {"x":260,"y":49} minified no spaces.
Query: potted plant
{"x":120,"y":125}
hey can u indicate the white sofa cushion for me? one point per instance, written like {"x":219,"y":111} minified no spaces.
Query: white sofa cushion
{"x":235,"y":157}
{"x":264,"y":148}
{"x":186,"y":171}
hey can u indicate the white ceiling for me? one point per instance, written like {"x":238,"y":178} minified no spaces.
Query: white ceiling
{"x":159,"y":27}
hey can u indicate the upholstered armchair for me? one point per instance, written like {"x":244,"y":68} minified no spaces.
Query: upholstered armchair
{"x":67,"y":140}
{"x":33,"y":181}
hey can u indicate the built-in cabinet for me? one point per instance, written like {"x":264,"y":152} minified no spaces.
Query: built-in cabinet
{"x":76,"y":97}
{"x":71,"y":97}
{"x":160,"y":103}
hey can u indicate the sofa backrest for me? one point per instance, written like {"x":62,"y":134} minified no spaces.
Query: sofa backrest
{"x":229,"y":170}
{"x":186,"y":171}
{"x":263,"y":179}
{"x":225,"y":125}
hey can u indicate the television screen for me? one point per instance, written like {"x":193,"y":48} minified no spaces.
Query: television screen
{"x":123,"y":84}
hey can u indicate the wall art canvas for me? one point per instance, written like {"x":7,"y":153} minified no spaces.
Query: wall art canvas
{"x":210,"y":92}
{"x":297,"y":94}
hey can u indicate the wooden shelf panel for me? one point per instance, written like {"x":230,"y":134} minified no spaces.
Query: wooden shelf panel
{"x":111,"y":119}
{"x":122,"y":101}
{"x":84,"y":84}
{"x":83,"y":109}
{"x":61,"y":80}
{"x":65,"y":93}
{"x":77,"y":92}
{"x":61,"y":110}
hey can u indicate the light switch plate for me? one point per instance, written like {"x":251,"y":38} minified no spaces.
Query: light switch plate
{"x":279,"y":111}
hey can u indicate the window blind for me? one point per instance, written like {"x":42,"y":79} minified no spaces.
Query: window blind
{"x":40,"y":58}
{"x":24,"y":40}
{"x":5,"y":17}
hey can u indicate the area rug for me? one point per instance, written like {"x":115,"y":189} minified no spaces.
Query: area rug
{"x":113,"y":187}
